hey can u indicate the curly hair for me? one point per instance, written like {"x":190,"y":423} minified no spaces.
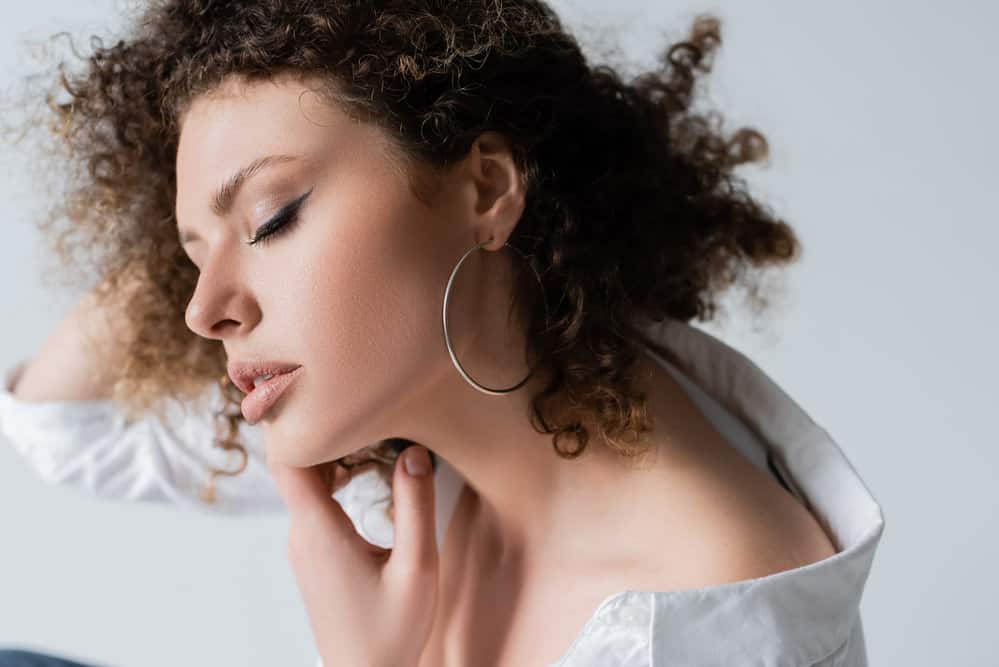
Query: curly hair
{"x":632,"y":210}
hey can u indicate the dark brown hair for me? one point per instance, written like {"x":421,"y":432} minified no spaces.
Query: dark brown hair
{"x":633,"y":208}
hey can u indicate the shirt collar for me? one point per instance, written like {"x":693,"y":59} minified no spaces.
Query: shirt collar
{"x":794,"y":617}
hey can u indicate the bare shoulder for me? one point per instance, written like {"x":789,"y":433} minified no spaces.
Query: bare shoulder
{"x":788,"y":539}
{"x":740,"y":526}
{"x":720,"y":518}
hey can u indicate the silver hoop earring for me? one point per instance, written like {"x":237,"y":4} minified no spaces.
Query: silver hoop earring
{"x":447,"y":337}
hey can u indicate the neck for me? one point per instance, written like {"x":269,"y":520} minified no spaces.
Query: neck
{"x":528,"y":499}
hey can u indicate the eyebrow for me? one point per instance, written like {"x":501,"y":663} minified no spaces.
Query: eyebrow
{"x":226,"y":195}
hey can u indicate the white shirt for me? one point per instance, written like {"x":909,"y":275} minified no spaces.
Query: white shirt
{"x":805,"y":617}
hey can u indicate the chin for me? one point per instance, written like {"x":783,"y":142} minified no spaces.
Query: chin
{"x":300,"y":452}
{"x":290,"y":450}
{"x":294,"y":458}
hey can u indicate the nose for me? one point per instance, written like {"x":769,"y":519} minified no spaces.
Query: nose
{"x":221,"y":307}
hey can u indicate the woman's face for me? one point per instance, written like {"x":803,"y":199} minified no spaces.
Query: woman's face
{"x":351,"y":289}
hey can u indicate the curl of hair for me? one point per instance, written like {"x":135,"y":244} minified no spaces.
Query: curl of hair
{"x":632,"y":208}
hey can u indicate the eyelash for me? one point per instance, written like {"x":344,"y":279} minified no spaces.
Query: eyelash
{"x":279,"y":224}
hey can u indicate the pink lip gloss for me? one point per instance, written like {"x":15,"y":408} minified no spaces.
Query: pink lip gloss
{"x":266,"y":394}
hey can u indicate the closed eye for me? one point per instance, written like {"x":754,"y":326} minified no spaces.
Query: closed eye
{"x":282,"y":221}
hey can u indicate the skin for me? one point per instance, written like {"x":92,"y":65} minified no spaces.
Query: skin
{"x":78,"y":360}
{"x":353,"y":292}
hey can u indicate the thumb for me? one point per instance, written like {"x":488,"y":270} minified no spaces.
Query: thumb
{"x":414,"y":544}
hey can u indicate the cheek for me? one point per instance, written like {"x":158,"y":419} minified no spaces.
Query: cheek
{"x":365,"y":320}
{"x":371,"y":305}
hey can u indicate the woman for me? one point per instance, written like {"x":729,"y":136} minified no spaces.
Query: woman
{"x":291,"y":194}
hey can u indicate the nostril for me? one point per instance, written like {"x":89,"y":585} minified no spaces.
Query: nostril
{"x":220,"y":327}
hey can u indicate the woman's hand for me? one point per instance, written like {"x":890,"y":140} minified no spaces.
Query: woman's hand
{"x":368,"y":606}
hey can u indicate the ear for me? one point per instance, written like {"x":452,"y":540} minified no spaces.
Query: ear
{"x":497,"y":188}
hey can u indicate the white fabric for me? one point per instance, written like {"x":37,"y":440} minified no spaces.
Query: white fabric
{"x":92,"y":446}
{"x":805,"y":617}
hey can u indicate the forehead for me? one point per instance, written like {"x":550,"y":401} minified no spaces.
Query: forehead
{"x":242,"y":120}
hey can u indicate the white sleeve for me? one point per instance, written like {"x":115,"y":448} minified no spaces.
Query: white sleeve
{"x":89,"y":444}
{"x":92,"y":446}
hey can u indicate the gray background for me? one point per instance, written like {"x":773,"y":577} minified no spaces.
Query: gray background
{"x":880,"y":120}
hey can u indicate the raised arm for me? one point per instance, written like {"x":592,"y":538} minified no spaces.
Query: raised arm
{"x":78,"y":361}
{"x":56,"y":411}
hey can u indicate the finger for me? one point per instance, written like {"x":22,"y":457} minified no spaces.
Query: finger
{"x":306,"y":493}
{"x":414,"y":544}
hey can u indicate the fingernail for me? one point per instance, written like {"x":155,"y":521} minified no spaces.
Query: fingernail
{"x":417,"y":461}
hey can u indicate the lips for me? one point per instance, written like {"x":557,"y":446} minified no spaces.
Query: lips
{"x":261,"y":398}
{"x":242,"y":373}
